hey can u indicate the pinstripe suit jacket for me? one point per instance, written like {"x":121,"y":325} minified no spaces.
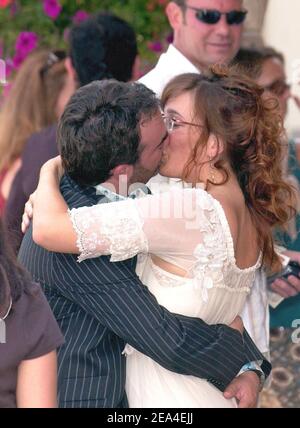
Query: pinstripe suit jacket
{"x":101,"y":306}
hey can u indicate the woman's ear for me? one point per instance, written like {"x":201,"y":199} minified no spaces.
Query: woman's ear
{"x":215,"y":147}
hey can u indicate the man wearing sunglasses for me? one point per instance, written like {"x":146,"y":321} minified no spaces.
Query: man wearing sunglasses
{"x":205,"y":32}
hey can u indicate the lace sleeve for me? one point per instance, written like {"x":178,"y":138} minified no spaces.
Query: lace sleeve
{"x":115,"y":228}
{"x":170,"y":225}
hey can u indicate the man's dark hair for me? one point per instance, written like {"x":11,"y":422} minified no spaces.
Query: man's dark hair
{"x":251,"y":60}
{"x":103,"y":47}
{"x":100,"y":128}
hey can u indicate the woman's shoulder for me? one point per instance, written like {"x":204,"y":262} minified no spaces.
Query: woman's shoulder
{"x":30,"y":307}
{"x":33,"y":315}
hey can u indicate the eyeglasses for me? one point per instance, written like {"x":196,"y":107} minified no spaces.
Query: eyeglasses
{"x":278,"y":88}
{"x":213,"y":16}
{"x":172,"y":123}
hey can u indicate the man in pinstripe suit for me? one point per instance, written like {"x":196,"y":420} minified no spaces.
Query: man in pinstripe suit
{"x":112,"y":129}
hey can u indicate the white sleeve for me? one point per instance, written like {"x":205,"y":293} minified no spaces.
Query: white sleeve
{"x":169,"y":223}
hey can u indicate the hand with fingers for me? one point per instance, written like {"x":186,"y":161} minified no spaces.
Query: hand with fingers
{"x":28,"y":213}
{"x":245,"y":388}
{"x":290,"y":286}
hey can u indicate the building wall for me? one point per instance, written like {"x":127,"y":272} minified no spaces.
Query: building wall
{"x":254,"y":23}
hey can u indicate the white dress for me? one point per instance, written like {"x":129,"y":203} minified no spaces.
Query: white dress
{"x":188,"y":228}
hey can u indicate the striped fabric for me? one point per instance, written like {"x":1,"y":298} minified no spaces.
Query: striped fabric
{"x":101,"y":306}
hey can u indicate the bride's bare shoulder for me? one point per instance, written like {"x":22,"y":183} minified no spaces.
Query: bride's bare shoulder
{"x":233,"y":203}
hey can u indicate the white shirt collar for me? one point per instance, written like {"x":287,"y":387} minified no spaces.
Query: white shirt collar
{"x":174,"y":58}
{"x":170,"y":64}
{"x":110,"y":196}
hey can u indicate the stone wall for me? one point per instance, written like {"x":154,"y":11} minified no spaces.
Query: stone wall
{"x":254,"y":22}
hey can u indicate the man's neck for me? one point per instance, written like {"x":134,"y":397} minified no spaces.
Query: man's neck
{"x":200,"y":67}
{"x":119,"y":185}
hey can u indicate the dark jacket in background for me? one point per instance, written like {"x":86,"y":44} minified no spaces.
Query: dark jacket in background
{"x":39,"y":148}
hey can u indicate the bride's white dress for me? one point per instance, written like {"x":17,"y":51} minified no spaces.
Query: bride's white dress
{"x":188,"y":228}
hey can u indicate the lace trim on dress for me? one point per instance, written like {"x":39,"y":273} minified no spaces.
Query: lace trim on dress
{"x":167,"y":279}
{"x":119,"y":233}
{"x":216,"y":252}
{"x":229,"y":240}
{"x":79,"y":241}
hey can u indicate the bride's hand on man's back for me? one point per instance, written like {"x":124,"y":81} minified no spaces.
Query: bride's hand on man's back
{"x":28,"y":213}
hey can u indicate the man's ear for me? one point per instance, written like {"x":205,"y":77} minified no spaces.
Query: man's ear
{"x":175,"y":15}
{"x":70,"y":69}
{"x":215,"y":147}
{"x":123,"y":170}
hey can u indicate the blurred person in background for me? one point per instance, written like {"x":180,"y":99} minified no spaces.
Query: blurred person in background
{"x":32,"y":104}
{"x":267,"y":67}
{"x":29,"y":336}
{"x":206,"y":32}
{"x":103,"y":46}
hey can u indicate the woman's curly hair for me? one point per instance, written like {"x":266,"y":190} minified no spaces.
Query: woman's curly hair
{"x":234,"y":109}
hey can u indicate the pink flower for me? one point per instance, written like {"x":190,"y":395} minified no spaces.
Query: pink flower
{"x":14,"y":7}
{"x":9,"y":66}
{"x":80,"y":15}
{"x":4,"y":3}
{"x":18,"y":59}
{"x":26,"y":42}
{"x":52,"y":8}
{"x":155,"y":46}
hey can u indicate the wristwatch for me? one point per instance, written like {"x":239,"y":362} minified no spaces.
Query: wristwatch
{"x":255,"y":367}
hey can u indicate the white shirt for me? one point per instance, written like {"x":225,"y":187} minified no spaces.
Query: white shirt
{"x":170,"y":64}
{"x":255,"y":314}
{"x":256,"y":311}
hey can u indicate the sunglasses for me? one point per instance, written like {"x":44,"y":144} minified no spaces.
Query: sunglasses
{"x":278,"y":88}
{"x":212,"y":16}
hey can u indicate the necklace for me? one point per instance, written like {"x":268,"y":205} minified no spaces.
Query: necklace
{"x":8,"y":311}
